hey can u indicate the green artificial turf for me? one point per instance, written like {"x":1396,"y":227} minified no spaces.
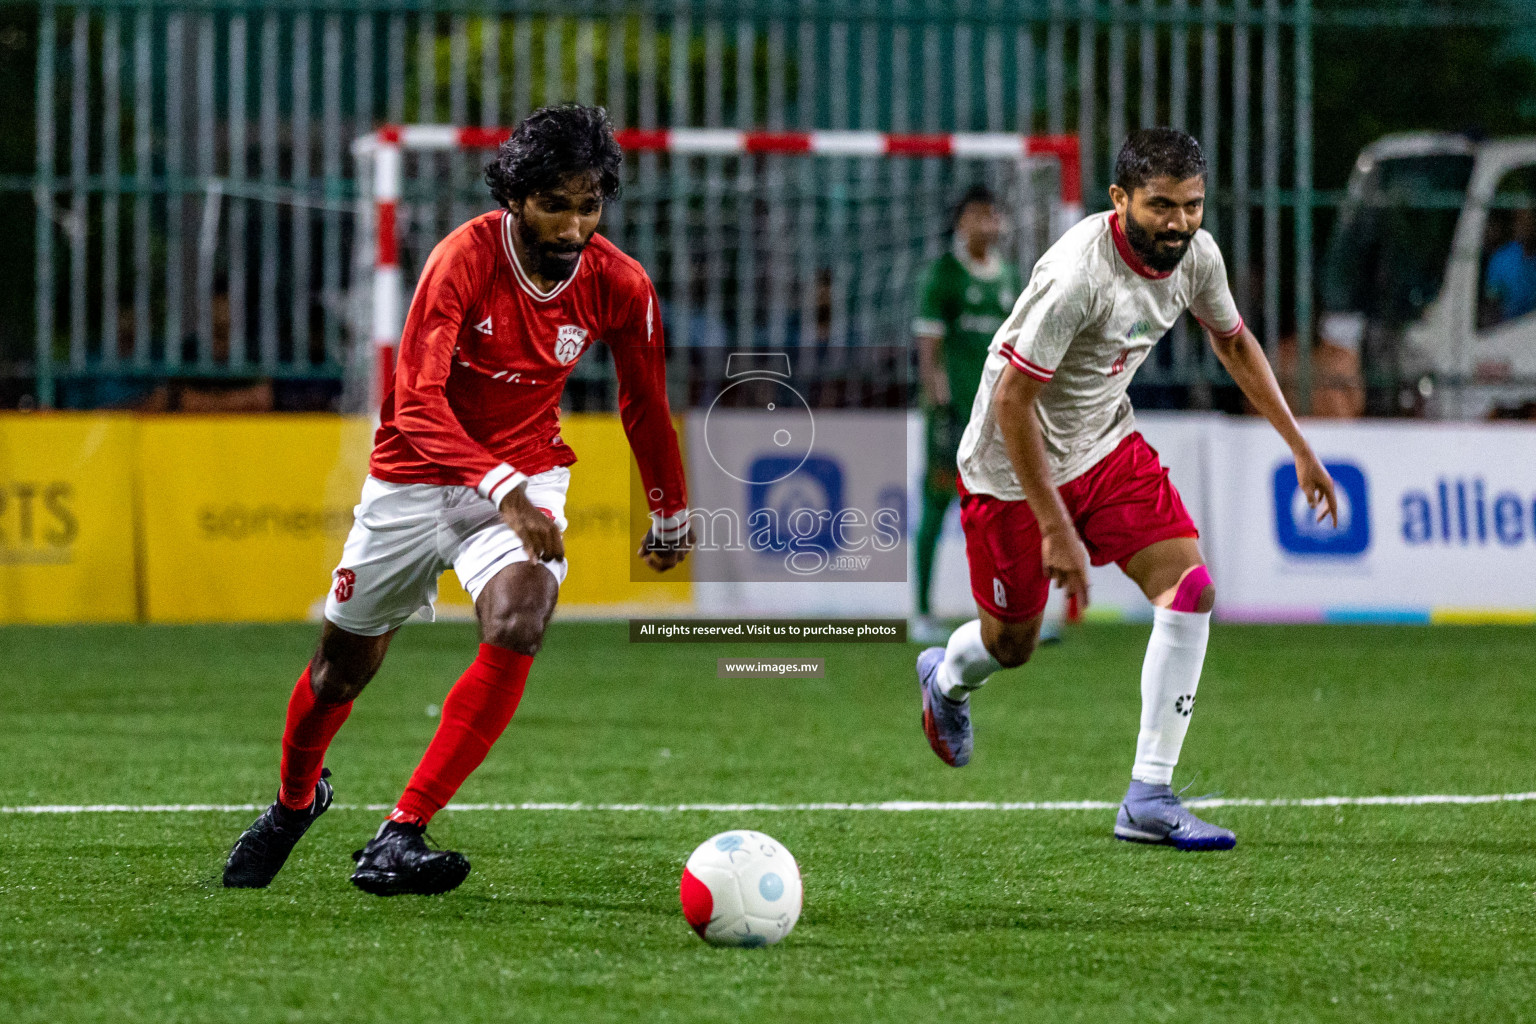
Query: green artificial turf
{"x":1338,"y":914}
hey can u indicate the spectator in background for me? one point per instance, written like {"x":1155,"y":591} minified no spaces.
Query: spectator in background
{"x":196,"y":388}
{"x":218,"y":393}
{"x":965,"y":296}
{"x":138,"y":392}
{"x":1510,"y":283}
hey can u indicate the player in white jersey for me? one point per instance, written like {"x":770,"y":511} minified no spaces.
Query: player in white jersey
{"x":1053,"y":474}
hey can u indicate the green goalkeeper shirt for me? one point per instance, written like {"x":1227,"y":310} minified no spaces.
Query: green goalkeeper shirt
{"x":965,"y":302}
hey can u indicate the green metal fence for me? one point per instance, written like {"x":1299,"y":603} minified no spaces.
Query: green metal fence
{"x":198,"y":196}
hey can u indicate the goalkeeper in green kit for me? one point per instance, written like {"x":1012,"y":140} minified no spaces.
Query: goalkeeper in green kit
{"x":964,"y":297}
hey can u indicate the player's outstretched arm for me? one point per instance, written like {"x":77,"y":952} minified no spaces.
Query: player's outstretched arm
{"x":639,"y":362}
{"x":1063,"y":555}
{"x":1244,"y":359}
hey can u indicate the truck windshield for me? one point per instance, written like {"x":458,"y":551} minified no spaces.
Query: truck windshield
{"x":1390,"y":245}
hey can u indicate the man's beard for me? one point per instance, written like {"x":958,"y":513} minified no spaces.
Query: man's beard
{"x":551,"y":261}
{"x":1145,"y":244}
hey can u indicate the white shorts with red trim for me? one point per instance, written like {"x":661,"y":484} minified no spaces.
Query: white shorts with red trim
{"x":404,"y":536}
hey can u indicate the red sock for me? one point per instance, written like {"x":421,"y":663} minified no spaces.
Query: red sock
{"x":311,"y":727}
{"x":475,"y":714}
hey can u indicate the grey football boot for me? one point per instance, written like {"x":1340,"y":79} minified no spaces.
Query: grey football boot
{"x":946,"y":722}
{"x":1155,"y":814}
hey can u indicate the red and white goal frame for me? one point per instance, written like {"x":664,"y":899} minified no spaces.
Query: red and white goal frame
{"x":386,"y":146}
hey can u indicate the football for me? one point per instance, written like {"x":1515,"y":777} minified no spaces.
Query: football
{"x":741,"y":888}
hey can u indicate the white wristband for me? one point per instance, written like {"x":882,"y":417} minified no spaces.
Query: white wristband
{"x":500,"y":482}
{"x":668,"y":528}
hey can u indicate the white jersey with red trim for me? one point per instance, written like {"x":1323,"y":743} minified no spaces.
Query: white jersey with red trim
{"x":1087,"y":319}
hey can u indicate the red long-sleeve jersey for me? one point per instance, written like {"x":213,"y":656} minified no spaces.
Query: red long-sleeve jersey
{"x":484,"y":357}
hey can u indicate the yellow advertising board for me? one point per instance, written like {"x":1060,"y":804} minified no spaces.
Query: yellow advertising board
{"x":244,"y":516}
{"x":67,"y":518}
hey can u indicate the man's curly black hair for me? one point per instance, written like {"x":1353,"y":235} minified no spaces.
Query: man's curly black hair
{"x":549,"y":146}
{"x":1155,"y":153}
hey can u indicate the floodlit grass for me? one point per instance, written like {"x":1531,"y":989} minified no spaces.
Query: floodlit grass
{"x":1338,"y":914}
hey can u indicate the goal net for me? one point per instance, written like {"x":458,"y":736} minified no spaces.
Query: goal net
{"x":813,"y":243}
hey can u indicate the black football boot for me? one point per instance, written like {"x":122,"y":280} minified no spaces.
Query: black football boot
{"x":398,"y":860}
{"x":262,"y":849}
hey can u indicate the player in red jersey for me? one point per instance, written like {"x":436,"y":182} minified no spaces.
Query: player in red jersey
{"x":469,"y":471}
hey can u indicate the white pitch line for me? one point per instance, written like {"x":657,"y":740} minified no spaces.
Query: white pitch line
{"x":898,"y":806}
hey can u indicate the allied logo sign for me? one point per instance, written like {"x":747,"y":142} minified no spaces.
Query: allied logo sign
{"x":1296,"y":527}
{"x":1464,"y":512}
{"x":570,"y":342}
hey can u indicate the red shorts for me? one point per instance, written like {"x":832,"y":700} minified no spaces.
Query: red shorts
{"x":1124,"y":503}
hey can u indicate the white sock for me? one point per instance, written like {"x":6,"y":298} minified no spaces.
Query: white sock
{"x":967,"y":663}
{"x":1054,"y":618}
{"x":1169,"y":677}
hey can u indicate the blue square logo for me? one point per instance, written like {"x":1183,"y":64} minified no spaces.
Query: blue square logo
{"x":1296,"y":526}
{"x":800,"y":500}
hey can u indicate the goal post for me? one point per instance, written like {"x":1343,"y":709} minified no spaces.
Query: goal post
{"x":756,"y":238}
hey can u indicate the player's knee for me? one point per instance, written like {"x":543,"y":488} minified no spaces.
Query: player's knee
{"x":1207,"y":599}
{"x":1196,"y":592}
{"x":515,"y":607}
{"x":1012,"y":648}
{"x":337,"y":682}
{"x":519,"y":631}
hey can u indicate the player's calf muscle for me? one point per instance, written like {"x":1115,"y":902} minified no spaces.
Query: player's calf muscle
{"x":1011,"y":643}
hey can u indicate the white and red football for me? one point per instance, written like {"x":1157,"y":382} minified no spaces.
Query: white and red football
{"x":741,"y":888}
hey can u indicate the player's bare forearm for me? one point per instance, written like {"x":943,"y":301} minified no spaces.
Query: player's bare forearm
{"x":1245,"y":361}
{"x":538,"y":532}
{"x":1014,"y":404}
{"x":1064,"y":558}
{"x":935,"y":385}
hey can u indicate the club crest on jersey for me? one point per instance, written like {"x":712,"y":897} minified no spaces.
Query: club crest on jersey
{"x":346,"y":579}
{"x":1118,"y":367}
{"x":569,"y":342}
